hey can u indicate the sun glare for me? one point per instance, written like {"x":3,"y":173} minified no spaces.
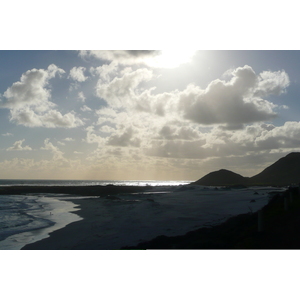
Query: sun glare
{"x":172,"y":58}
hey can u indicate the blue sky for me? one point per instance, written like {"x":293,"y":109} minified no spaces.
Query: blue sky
{"x":166,"y":115}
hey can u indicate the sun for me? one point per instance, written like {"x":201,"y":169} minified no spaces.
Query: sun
{"x":171,"y":58}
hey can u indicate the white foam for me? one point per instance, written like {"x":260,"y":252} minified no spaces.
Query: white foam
{"x":40,"y":216}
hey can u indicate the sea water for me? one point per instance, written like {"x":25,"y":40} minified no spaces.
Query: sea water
{"x":34,"y":182}
{"x":27,"y":219}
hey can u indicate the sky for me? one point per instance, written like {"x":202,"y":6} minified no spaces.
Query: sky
{"x":146,"y":114}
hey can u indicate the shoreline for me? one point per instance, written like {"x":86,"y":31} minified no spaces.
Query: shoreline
{"x":54,"y":210}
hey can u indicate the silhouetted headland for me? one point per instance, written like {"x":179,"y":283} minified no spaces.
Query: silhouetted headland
{"x":284,"y":172}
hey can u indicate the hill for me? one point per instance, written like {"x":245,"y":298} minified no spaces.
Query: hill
{"x":222,"y":177}
{"x":285,"y":171}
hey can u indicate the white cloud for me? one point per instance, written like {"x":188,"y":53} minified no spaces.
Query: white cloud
{"x":31,"y":89}
{"x":18,"y":146}
{"x":153,"y":58}
{"x":81,"y":97}
{"x":285,"y":136}
{"x":233,"y":103}
{"x":121,"y":91}
{"x":92,"y":137}
{"x":7,"y":134}
{"x":105,"y":71}
{"x":121,"y":56}
{"x":57,"y":154}
{"x":125,"y":138}
{"x":69,"y":139}
{"x":29,"y":104}
{"x":273,"y":83}
{"x":175,"y":132}
{"x":77,"y":74}
{"x":85,"y":108}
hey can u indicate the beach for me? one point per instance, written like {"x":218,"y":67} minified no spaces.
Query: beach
{"x":122,"y":217}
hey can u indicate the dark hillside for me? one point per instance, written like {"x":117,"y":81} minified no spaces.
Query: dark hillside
{"x":221,"y":178}
{"x":285,"y":171}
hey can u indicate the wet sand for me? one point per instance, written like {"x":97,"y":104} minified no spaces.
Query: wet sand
{"x":80,"y":235}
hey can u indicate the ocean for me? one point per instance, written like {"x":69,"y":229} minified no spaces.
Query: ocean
{"x":8,"y":182}
{"x":169,"y":208}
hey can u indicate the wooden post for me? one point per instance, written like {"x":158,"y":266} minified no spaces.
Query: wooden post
{"x":260,"y":221}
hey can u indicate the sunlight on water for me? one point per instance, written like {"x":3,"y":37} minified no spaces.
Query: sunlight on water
{"x":7,"y":182}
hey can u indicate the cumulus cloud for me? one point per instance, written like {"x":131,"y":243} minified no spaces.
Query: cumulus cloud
{"x":57,"y":154}
{"x":7,"y":134}
{"x":273,"y":83}
{"x":121,"y":91}
{"x":105,"y":72}
{"x":173,"y":132}
{"x":85,"y":108}
{"x":235,"y":102}
{"x":77,"y":74}
{"x":177,"y":149}
{"x":31,"y":89}
{"x":285,"y":136}
{"x":152,"y":58}
{"x":121,"y":56}
{"x":232,"y":103}
{"x":18,"y":146}
{"x":81,"y":97}
{"x":253,"y":140}
{"x":29,"y":104}
{"x":124,"y":139}
{"x":69,"y":139}
{"x":92,"y":137}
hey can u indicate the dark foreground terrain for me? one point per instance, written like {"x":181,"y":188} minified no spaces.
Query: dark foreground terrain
{"x":277,"y":226}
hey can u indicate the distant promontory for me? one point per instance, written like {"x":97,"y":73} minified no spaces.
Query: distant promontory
{"x":285,"y":171}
